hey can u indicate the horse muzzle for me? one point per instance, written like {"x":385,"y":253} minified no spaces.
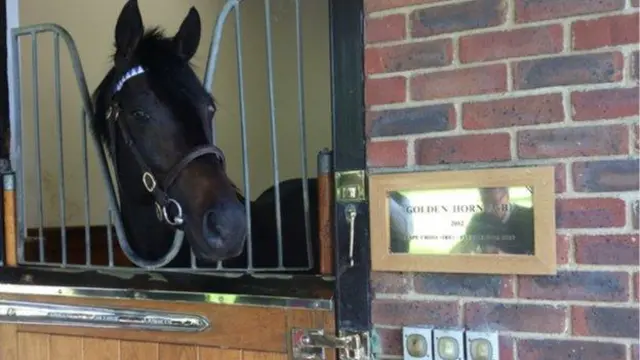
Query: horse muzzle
{"x":224,"y":231}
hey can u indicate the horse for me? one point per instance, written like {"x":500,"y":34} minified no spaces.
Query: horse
{"x":153,"y":116}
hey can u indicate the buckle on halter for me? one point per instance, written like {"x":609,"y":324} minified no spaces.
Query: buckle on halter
{"x":149,"y":181}
{"x":177,"y":220}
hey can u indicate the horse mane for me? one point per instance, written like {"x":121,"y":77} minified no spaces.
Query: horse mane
{"x":168,"y":73}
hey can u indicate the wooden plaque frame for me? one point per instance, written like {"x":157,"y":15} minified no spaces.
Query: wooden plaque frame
{"x":541,"y":179}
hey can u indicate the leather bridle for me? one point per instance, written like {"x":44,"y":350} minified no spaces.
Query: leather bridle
{"x":163,"y":202}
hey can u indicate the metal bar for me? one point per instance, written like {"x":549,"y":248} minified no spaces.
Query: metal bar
{"x":36,"y":119}
{"x":272,"y":122}
{"x":57,"y":94}
{"x":303,"y":135}
{"x":87,"y":203}
{"x":110,"y":238}
{"x":17,"y":160}
{"x":86,"y":103}
{"x":214,"y":49}
{"x":243,"y":135}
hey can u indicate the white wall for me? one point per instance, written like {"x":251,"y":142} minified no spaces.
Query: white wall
{"x":91,"y":23}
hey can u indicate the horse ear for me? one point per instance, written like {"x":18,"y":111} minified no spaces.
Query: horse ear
{"x":187,"y":38}
{"x":129,"y":29}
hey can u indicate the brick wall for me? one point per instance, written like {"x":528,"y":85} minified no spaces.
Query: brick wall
{"x":484,"y":83}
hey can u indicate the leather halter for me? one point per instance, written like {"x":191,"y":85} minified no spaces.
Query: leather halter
{"x":162,"y":200}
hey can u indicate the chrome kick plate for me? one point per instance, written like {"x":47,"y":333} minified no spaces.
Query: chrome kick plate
{"x":26,"y":312}
{"x":310,"y":344}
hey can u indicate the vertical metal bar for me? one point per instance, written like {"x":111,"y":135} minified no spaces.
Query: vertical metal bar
{"x":14,"y":66}
{"x":214,"y":49}
{"x":194,"y":262}
{"x":87,"y":210}
{"x":272,"y":121}
{"x":243,"y":135}
{"x":109,"y":238}
{"x":57,"y":93}
{"x":36,"y":119}
{"x":303,"y":135}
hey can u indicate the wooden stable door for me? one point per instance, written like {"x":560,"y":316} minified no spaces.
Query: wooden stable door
{"x":237,"y":332}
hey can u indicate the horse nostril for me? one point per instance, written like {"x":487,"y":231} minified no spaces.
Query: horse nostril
{"x":209,"y":226}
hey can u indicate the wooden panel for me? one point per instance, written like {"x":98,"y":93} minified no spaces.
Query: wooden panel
{"x":35,"y":346}
{"x":65,"y":347}
{"x":101,"y":349}
{"x":245,"y":332}
{"x":8,"y":342}
{"x":219,"y":354}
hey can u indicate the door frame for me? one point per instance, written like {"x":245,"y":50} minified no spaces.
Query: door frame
{"x":352,"y":297}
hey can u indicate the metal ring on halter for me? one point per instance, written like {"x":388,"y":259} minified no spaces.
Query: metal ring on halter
{"x":148,"y":181}
{"x":177,"y":220}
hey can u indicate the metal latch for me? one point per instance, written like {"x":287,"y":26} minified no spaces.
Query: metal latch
{"x":309,"y":344}
{"x":350,"y":186}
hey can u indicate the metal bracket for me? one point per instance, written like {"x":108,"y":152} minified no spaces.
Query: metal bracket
{"x":310,"y":344}
{"x":350,"y":186}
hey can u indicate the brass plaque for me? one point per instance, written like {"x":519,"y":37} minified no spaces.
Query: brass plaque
{"x":490,"y":220}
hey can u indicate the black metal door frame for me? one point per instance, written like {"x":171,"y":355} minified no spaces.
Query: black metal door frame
{"x":352,"y":296}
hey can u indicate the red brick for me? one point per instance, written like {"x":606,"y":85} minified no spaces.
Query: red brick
{"x":522,"y":111}
{"x":590,"y":213}
{"x":605,"y":31}
{"x":387,"y":282}
{"x":605,"y":104}
{"x":562,"y":249}
{"x":386,"y":91}
{"x":569,"y":349}
{"x":573,"y":141}
{"x":464,"y":285}
{"x":464,"y":82}
{"x":606,"y":175}
{"x":463,"y":149}
{"x":452,"y":18}
{"x":400,"y":312}
{"x":506,"y":345}
{"x":378,"y":5}
{"x":387,"y":153}
{"x":512,"y":43}
{"x":388,"y":28}
{"x":406,"y":57}
{"x":560,"y":175}
{"x":389,"y":342}
{"x":568,"y":70}
{"x":535,"y":10}
{"x":597,"y":286}
{"x":515,"y":317}
{"x":605,"y":322}
{"x":409,"y":121}
{"x":607,"y":249}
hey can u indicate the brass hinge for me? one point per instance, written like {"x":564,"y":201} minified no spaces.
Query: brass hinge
{"x":310,"y":344}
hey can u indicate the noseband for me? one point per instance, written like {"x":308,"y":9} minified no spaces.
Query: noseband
{"x":163,"y":203}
